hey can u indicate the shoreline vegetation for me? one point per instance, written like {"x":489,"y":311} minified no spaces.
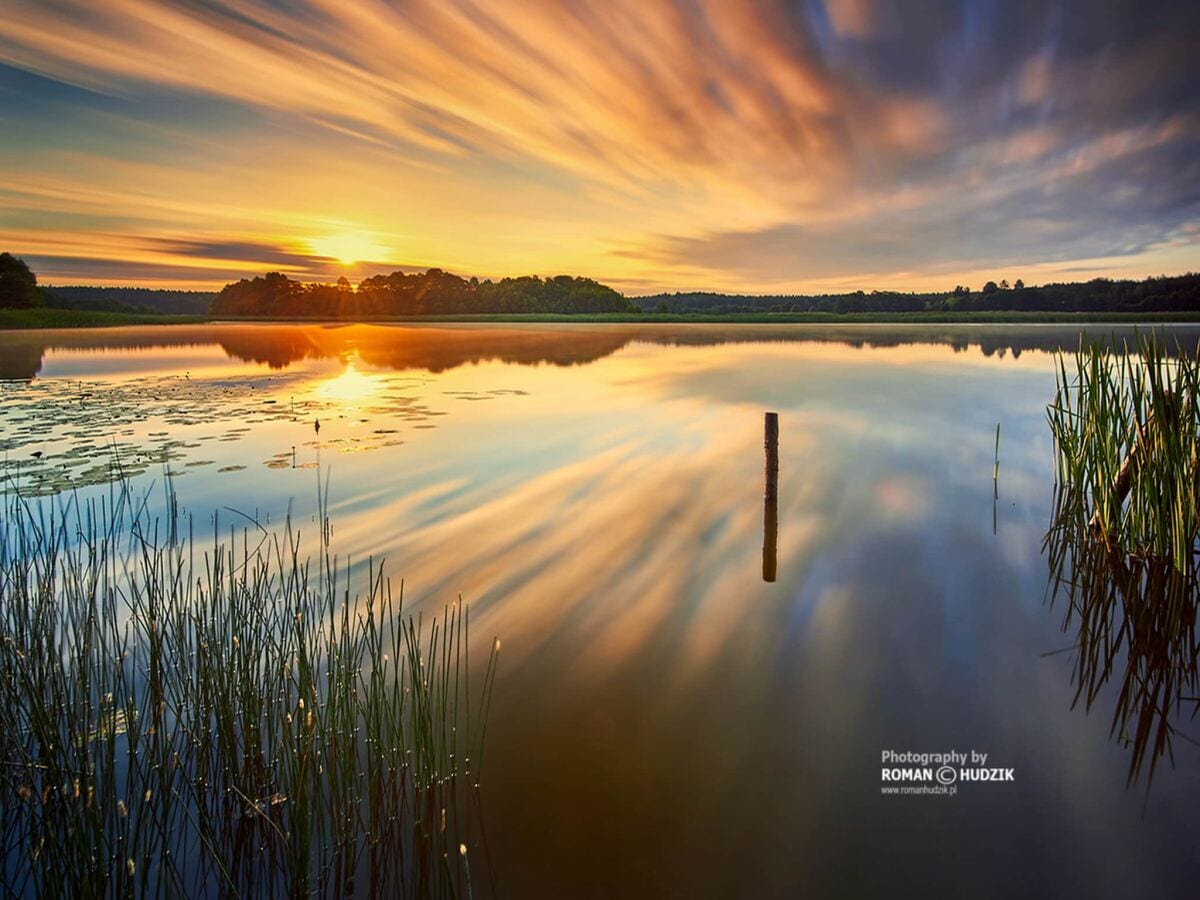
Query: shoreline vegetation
{"x":184,"y":716}
{"x":1123,"y":547}
{"x":439,"y":296}
{"x":43,"y":318}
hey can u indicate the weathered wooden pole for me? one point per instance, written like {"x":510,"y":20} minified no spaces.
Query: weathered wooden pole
{"x":770,"y":496}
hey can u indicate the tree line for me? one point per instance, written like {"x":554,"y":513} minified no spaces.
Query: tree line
{"x":19,"y":289}
{"x":130,"y":299}
{"x":431,"y":293}
{"x":438,"y":293}
{"x":1162,"y":294}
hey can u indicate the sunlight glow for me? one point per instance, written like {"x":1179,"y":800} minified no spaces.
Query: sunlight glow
{"x":351,"y":387}
{"x":707,"y":146}
{"x":350,"y":247}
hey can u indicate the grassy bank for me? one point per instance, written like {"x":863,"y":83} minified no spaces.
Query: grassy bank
{"x":69,"y":318}
{"x":224,"y":718}
{"x":44,"y":317}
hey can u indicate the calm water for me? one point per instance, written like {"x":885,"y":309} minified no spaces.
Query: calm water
{"x":666,"y":723}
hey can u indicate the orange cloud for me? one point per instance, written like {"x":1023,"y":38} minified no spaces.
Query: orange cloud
{"x":524,"y":136}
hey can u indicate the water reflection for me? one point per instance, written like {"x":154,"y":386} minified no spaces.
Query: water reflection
{"x":665,"y":721}
{"x":429,"y":348}
{"x":1132,"y":618}
{"x":439,"y":347}
{"x":1123,"y":552}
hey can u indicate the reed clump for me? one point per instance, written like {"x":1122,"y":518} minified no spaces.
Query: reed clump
{"x":185,"y":717}
{"x":1125,"y":534}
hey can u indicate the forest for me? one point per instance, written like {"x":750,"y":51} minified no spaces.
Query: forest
{"x":1162,"y":294}
{"x":129,"y":300}
{"x":431,"y":293}
{"x":436,"y":292}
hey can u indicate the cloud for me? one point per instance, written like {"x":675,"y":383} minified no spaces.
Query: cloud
{"x":267,"y":255}
{"x":66,"y":270}
{"x":865,"y":20}
{"x":240,"y":251}
{"x":1122,"y":195}
{"x":826,"y":124}
{"x":625,"y":92}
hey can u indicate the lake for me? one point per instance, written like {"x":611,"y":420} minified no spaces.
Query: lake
{"x":666,"y":722}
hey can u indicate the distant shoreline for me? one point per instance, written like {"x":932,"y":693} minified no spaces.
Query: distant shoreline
{"x":42,"y":318}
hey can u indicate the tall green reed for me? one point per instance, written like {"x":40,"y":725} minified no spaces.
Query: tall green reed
{"x":224,"y":718}
{"x":1125,"y":535}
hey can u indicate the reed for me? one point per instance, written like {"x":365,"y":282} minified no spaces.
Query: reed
{"x":996,"y":462}
{"x":180,"y":717}
{"x":1125,"y":534}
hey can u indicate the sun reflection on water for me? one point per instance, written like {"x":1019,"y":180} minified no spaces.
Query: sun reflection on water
{"x":352,"y":386}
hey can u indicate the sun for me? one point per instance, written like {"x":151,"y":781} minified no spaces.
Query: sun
{"x":349,"y":247}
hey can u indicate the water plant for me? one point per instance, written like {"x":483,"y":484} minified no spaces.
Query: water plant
{"x":181,"y":717}
{"x":996,"y":483}
{"x":996,"y":462}
{"x":1124,"y":540}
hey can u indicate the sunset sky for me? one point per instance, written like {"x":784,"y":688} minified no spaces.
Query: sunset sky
{"x":700,"y":144}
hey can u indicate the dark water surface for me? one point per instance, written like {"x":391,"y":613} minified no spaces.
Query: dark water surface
{"x":666,"y":723}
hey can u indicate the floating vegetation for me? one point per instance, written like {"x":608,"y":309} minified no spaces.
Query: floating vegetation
{"x":1124,"y":542}
{"x":485,"y":395}
{"x":229,"y":720}
{"x":49,"y":426}
{"x":60,"y":418}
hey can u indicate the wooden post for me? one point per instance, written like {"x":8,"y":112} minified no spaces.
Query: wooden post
{"x":770,"y":496}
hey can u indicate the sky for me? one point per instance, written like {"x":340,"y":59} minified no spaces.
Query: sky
{"x":758,"y":147}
